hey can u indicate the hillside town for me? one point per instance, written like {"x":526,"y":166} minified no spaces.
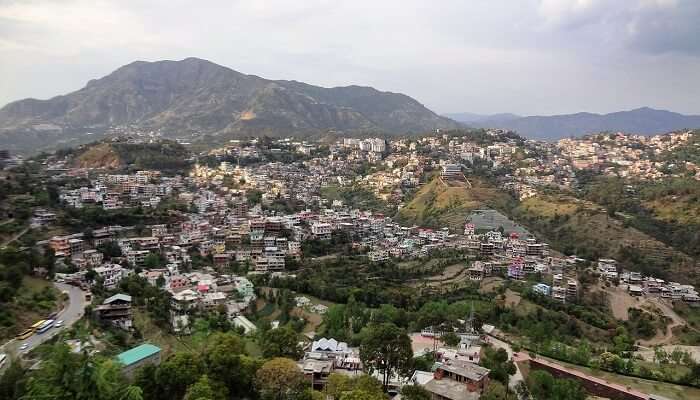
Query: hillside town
{"x":247,"y":212}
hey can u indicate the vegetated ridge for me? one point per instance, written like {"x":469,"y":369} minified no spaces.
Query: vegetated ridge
{"x":194,"y":98}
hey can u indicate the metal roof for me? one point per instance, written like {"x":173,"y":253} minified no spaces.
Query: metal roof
{"x":137,"y":354}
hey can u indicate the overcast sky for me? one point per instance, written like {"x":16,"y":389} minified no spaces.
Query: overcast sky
{"x":523,"y":56}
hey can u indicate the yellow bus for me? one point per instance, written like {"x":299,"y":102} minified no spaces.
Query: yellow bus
{"x":37,"y":325}
{"x":25,"y":334}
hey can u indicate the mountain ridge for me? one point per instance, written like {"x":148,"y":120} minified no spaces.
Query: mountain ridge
{"x":195,"y":98}
{"x":642,"y":120}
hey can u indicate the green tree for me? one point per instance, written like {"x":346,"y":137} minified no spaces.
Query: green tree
{"x":152,"y":261}
{"x":280,"y":379}
{"x":12,"y":381}
{"x":281,"y":342}
{"x":543,"y":386}
{"x":414,"y":392}
{"x":387,"y":349}
{"x":204,"y":389}
{"x":337,"y":384}
{"x":495,"y":391}
{"x":450,"y":339}
{"x":500,"y":365}
{"x":177,"y":373}
{"x":227,"y":363}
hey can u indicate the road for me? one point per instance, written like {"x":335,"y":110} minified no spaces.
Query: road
{"x":518,"y":377}
{"x":69,"y":315}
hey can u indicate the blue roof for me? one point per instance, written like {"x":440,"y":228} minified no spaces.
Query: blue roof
{"x":137,"y":354}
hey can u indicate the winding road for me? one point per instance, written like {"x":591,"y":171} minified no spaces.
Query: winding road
{"x":69,"y":315}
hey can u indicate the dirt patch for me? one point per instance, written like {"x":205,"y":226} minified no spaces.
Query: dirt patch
{"x":490,"y":284}
{"x":512,"y":298}
{"x":621,"y":301}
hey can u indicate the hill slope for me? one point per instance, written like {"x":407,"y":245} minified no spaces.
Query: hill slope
{"x":193,"y":97}
{"x":162,"y":155}
{"x":645,"y":121}
{"x":437,"y":204}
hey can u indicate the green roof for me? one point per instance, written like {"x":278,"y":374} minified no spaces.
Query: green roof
{"x":137,"y":354}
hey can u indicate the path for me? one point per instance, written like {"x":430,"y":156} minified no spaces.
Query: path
{"x":17,"y":236}
{"x":69,"y":315}
{"x":676,"y":321}
{"x":518,"y":376}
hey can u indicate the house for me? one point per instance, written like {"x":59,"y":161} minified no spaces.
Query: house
{"x":241,"y":321}
{"x":559,"y":293}
{"x":139,"y":356}
{"x":476,"y":272}
{"x":329,"y":347}
{"x":458,"y":380}
{"x":316,"y":371}
{"x":116,"y":310}
{"x":635,"y":290}
{"x":321,"y":230}
{"x":542,"y":289}
{"x":378,"y":255}
{"x":112,"y":274}
{"x":607,"y":268}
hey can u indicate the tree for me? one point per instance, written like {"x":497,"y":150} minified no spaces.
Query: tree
{"x":177,"y":373}
{"x":64,"y":375}
{"x":543,"y":386}
{"x":387,"y":349}
{"x":152,"y":261}
{"x":495,"y":391}
{"x":500,"y":365}
{"x":12,"y":381}
{"x":450,"y":338}
{"x":280,"y":379}
{"x":227,"y":362}
{"x":281,"y":342}
{"x":414,"y":392}
{"x":203,"y":389}
{"x":110,"y":249}
{"x":337,"y":384}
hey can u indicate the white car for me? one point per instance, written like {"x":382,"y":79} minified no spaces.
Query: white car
{"x":23,"y":347}
{"x":59,"y":324}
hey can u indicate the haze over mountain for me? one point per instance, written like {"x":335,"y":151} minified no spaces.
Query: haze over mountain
{"x":645,"y":120}
{"x":194,"y":97}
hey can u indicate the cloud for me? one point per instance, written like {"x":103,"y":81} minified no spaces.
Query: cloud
{"x":529,"y":56}
{"x":649,"y":26}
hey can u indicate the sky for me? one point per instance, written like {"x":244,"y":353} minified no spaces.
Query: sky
{"x":530,"y":57}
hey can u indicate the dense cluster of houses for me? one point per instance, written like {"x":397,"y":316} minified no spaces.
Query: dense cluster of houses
{"x":639,"y":285}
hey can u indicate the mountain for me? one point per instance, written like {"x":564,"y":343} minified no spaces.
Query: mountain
{"x":193,"y":98}
{"x":646,"y":121}
{"x":481,"y":119}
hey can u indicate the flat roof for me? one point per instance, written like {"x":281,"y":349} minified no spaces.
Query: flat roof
{"x":137,"y":354}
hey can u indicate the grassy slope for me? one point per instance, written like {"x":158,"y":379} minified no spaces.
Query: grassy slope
{"x":101,"y":155}
{"x":575,"y":226}
{"x":676,"y":209}
{"x":30,"y":306}
{"x":437,"y":204}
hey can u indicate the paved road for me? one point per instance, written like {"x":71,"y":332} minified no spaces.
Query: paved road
{"x":69,"y":315}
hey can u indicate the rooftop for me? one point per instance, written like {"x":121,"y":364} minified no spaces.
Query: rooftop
{"x":137,"y":354}
{"x":119,"y":296}
{"x":449,"y":389}
{"x":464,"y":368}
